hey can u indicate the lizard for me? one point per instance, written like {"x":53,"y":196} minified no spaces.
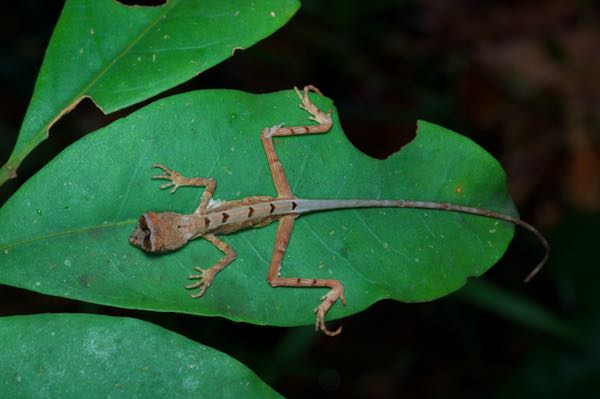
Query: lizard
{"x":158,"y":232}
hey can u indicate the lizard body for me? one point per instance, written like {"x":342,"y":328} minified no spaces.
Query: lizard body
{"x":254,"y":212}
{"x":168,"y":231}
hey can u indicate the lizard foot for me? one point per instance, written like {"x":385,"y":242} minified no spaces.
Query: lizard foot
{"x":327,"y":302}
{"x":316,"y":114}
{"x":176,"y":179}
{"x":205,"y":278}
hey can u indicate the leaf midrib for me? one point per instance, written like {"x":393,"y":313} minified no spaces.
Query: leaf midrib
{"x":67,"y":232}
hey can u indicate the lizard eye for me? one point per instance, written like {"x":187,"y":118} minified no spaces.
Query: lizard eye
{"x":147,"y":243}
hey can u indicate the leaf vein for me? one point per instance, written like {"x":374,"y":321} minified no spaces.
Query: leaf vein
{"x":379,"y":240}
{"x":337,"y":254}
{"x":68,"y":232}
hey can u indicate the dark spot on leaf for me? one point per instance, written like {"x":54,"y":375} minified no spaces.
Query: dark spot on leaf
{"x":85,"y":281}
{"x":344,"y":251}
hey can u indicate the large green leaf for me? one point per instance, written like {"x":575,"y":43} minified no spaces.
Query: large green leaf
{"x":90,"y":356}
{"x":65,"y":231}
{"x":119,"y":55}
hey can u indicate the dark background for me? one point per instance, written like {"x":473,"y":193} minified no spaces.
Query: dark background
{"x":521,"y":78}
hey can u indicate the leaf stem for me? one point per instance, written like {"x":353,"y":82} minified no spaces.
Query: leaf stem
{"x":7,"y":171}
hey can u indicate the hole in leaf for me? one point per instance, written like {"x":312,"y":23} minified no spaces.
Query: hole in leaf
{"x":378,"y":136}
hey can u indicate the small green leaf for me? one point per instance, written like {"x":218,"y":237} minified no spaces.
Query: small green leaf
{"x":65,"y":232}
{"x":119,"y":55}
{"x":91,"y":356}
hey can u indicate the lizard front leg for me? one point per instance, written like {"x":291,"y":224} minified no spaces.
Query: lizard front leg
{"x":177,"y":180}
{"x":205,"y":277}
{"x":284,"y":232}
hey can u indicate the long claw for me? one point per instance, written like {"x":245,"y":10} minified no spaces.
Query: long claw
{"x":167,"y":185}
{"x":312,"y":88}
{"x":326,"y":331}
{"x":320,"y":323}
{"x":161,"y":166}
{"x":199,"y":294}
{"x":192,"y":286}
{"x":298,"y":92}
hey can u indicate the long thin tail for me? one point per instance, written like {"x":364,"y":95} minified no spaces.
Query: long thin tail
{"x":305,"y":206}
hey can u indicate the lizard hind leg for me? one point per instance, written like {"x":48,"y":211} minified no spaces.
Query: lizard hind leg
{"x":336,"y":291}
{"x":306,"y":104}
{"x":324,"y":125}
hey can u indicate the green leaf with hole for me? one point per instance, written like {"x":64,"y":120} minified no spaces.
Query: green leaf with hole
{"x":65,"y":232}
{"x":91,"y":356}
{"x":119,"y":55}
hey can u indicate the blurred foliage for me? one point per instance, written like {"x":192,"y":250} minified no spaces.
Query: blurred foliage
{"x":556,"y":371}
{"x":83,"y":355}
{"x":520,"y":77}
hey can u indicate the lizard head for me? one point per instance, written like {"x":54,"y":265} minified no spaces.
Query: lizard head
{"x":161,"y":232}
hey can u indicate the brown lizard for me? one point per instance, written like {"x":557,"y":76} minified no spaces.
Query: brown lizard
{"x":168,"y":231}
